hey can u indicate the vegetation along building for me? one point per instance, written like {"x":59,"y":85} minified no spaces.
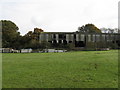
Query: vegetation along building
{"x":77,"y":40}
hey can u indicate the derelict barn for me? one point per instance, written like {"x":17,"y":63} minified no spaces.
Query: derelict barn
{"x":81,"y":40}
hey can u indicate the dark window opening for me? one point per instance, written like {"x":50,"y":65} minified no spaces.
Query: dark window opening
{"x":64,"y":42}
{"x":60,"y":41}
{"x":74,"y":36}
{"x":60,"y":36}
{"x":50,"y":41}
{"x":54,"y":44}
{"x":79,"y":44}
{"x":54,"y":41}
{"x":118,"y":42}
{"x":70,"y":41}
{"x":54,"y":36}
{"x":64,"y":37}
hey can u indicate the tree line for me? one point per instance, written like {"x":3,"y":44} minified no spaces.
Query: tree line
{"x":11,"y":37}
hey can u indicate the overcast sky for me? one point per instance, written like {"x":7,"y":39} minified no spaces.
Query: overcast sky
{"x":59,"y":15}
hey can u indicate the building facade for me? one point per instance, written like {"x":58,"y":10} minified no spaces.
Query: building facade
{"x":81,"y":40}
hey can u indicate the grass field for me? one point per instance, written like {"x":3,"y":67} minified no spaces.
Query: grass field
{"x":82,"y":69}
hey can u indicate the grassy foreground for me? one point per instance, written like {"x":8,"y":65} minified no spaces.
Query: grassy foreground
{"x":83,"y":69}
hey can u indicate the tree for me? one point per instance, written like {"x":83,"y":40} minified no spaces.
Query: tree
{"x":89,"y":28}
{"x":10,"y":34}
{"x":109,"y":30}
{"x":31,"y":39}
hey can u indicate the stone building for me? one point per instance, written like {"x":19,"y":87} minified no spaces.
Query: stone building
{"x":82,"y":40}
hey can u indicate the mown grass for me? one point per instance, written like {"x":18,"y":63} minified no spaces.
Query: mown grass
{"x":83,"y":69}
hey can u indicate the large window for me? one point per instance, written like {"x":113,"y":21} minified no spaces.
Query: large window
{"x":82,"y":38}
{"x":89,"y":38}
{"x":47,"y":37}
{"x":42,"y":37}
{"x":71,"y":37}
{"x":67,"y":37}
{"x":93,"y":38}
{"x":97,"y":37}
{"x":77,"y":37}
{"x":57,"y":37}
{"x":103,"y":37}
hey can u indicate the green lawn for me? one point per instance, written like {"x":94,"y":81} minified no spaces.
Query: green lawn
{"x":83,"y":69}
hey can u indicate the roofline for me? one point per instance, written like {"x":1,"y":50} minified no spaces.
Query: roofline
{"x":79,"y":32}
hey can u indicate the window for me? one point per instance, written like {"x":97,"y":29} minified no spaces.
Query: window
{"x":89,"y":38}
{"x":77,"y":37}
{"x":93,"y":38}
{"x":97,"y":37}
{"x":82,"y":38}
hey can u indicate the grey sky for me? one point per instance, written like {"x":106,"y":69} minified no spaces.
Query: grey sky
{"x":60,"y":15}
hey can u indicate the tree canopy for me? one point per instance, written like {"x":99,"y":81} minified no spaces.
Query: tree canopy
{"x":11,"y":38}
{"x":109,"y":30}
{"x":89,"y":28}
{"x":10,"y":34}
